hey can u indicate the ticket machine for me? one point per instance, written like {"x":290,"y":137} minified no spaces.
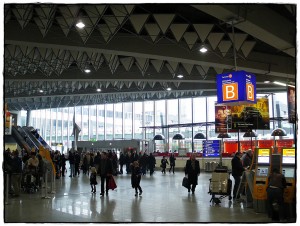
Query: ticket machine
{"x":260,"y":182}
{"x":288,"y":170}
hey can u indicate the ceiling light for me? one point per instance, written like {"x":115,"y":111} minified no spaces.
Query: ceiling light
{"x":203,"y":49}
{"x":266,"y":81}
{"x":80,"y":25}
{"x":169,"y":89}
{"x":179,"y":76}
{"x":279,"y":83}
{"x":291,"y":85}
{"x":87,"y":70}
{"x":41,"y":91}
{"x":98,"y":90}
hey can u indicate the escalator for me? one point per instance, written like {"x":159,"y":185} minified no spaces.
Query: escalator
{"x":22,"y":139}
{"x":42,"y":142}
{"x":28,"y":131}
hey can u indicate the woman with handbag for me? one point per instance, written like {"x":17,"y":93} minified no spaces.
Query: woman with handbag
{"x":192,"y":170}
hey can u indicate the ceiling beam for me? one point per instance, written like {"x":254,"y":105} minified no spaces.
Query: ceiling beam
{"x":259,"y":21}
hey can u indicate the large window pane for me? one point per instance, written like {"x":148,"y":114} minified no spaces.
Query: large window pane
{"x":172,"y":117}
{"x":128,"y":120}
{"x":78,"y":120}
{"x":118,"y":121}
{"x":211,"y":116}
{"x":149,"y":118}
{"x":85,"y":123}
{"x":101,"y":122}
{"x":138,"y":120}
{"x":92,"y":123}
{"x":160,"y":118}
{"x":109,"y":121}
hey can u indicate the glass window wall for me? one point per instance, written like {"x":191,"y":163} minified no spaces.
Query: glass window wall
{"x":124,"y":120}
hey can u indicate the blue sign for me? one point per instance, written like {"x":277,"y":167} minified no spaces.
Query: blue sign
{"x":236,"y":88}
{"x":211,"y":148}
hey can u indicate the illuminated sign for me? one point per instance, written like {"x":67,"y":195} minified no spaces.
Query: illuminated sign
{"x":236,"y":88}
{"x":288,"y":156}
{"x":211,"y":148}
{"x":263,"y":156}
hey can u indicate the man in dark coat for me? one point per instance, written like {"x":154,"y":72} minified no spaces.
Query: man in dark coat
{"x":237,"y":171}
{"x":105,"y":171}
{"x":151,"y":163}
{"x":192,"y":170}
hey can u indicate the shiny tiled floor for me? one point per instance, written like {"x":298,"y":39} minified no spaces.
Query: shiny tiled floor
{"x":163,"y":200}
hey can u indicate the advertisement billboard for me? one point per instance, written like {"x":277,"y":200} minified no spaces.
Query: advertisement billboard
{"x":223,"y":120}
{"x":291,"y":104}
{"x":244,"y":117}
{"x":251,"y":116}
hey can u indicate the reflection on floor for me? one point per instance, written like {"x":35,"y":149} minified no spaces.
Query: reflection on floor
{"x":163,"y":200}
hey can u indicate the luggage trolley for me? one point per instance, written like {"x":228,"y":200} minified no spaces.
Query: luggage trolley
{"x":220,"y":185}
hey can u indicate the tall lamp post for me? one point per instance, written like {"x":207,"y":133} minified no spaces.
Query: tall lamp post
{"x":250,"y":134}
{"x":222,"y":136}
{"x":277,"y":132}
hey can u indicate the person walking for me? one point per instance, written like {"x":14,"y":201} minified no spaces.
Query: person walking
{"x":136,"y":175}
{"x":151,"y":163}
{"x":121,"y":162}
{"x":63,"y":165}
{"x":163,"y":164}
{"x":172,"y":163}
{"x":275,"y":191}
{"x":192,"y":170}
{"x":105,"y":171}
{"x":16,"y":173}
{"x":71,"y":159}
{"x":77,"y":159}
{"x":237,"y":171}
{"x":93,"y":179}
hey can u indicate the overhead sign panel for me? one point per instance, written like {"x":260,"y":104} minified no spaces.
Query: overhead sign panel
{"x":236,"y":88}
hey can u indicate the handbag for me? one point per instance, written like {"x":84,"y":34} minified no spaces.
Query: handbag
{"x":111,"y":183}
{"x":185,"y":182}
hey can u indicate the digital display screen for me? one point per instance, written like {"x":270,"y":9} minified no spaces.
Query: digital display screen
{"x":288,"y":160}
{"x":288,"y":156}
{"x":263,"y":156}
{"x":262,"y":171}
{"x":211,"y":148}
{"x":288,"y":172}
{"x":263,"y":160}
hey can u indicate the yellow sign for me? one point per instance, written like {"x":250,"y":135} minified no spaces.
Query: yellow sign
{"x":288,"y":152}
{"x":263,"y":152}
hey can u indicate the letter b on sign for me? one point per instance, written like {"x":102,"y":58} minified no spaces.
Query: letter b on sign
{"x":250,"y":92}
{"x":230,"y":92}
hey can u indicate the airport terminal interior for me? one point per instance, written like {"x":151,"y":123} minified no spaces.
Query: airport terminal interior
{"x":210,"y":81}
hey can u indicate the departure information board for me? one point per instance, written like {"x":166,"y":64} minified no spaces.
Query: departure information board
{"x":211,"y":148}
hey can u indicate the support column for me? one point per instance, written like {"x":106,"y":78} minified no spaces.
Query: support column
{"x":28,"y":118}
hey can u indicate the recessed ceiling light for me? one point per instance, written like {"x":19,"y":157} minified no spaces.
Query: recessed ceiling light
{"x":169,"y":89}
{"x":98,"y":90}
{"x":41,"y":91}
{"x":179,"y":76}
{"x":266,"y":81}
{"x":87,"y":70}
{"x":203,"y":49}
{"x":80,"y":25}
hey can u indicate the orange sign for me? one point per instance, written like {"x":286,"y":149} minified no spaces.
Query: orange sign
{"x":250,"y":92}
{"x":230,"y":91}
